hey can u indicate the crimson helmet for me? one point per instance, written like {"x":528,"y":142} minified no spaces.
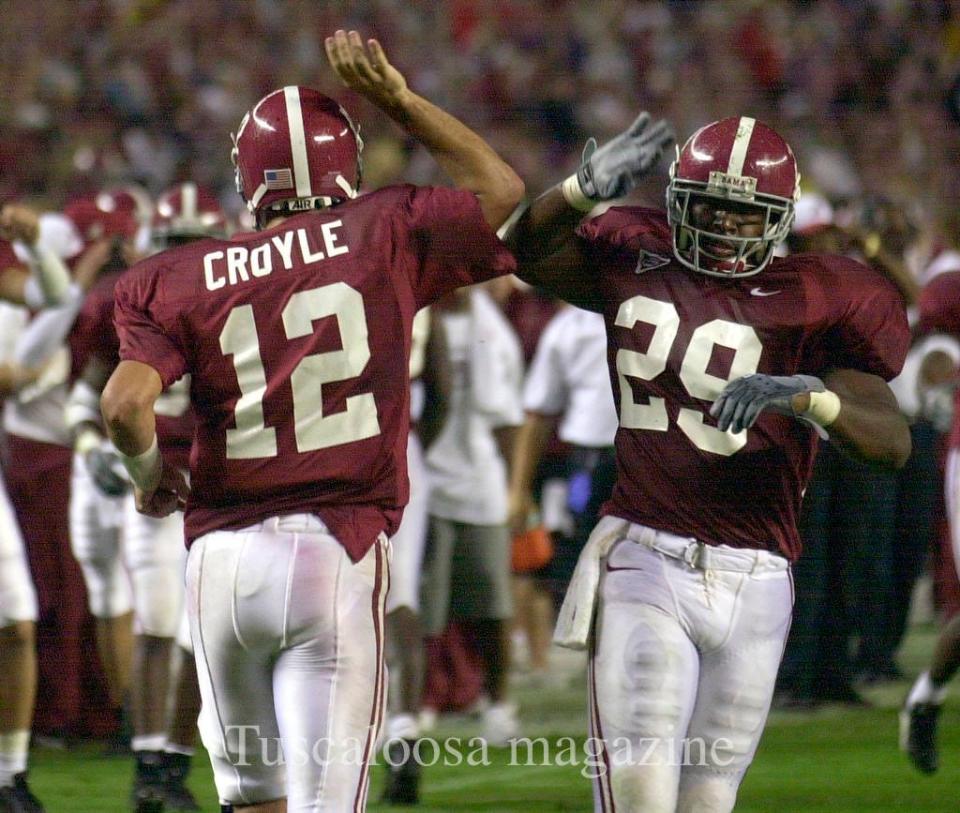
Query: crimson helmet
{"x":737,"y":159}
{"x":187,"y":212}
{"x":297,"y":149}
{"x":116,"y":212}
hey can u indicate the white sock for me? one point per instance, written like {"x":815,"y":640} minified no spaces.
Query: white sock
{"x":14,"y":746}
{"x":923,"y":691}
{"x":148,"y":742}
{"x":402,"y":727}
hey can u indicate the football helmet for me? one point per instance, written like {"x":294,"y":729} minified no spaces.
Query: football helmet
{"x":115,"y":212}
{"x":187,"y":212}
{"x":296,"y":150}
{"x":736,"y":160}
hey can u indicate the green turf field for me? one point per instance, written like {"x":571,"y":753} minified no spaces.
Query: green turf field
{"x":832,"y":760}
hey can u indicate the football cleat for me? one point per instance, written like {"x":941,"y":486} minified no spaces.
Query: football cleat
{"x":918,"y":735}
{"x":147,"y":795}
{"x":176,"y":794}
{"x":17,"y":797}
{"x":403,"y":774}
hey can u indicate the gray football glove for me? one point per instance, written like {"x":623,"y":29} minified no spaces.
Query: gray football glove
{"x":107,"y":471}
{"x":618,"y":166}
{"x":743,"y":399}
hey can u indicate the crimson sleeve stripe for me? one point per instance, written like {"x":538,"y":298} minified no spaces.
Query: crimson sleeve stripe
{"x":298,"y":141}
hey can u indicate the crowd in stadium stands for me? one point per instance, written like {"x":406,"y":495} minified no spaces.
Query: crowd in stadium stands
{"x":138,"y":90}
{"x":111,"y":93}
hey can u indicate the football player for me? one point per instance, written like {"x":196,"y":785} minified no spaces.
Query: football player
{"x":429,"y":400}
{"x":45,"y":281}
{"x":939,"y":308}
{"x":726,"y":363}
{"x":134,"y":564}
{"x":297,"y":337}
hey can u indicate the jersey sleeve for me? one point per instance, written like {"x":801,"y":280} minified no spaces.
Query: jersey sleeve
{"x":544,"y":390}
{"x":940,"y":304}
{"x":872,"y":333}
{"x":448,"y":242}
{"x":143,"y":334}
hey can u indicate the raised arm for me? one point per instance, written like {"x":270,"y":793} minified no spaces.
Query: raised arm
{"x":48,"y":282}
{"x":543,"y":239}
{"x":469,"y":161}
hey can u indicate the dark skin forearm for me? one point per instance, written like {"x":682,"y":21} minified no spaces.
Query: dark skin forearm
{"x":549,"y":254}
{"x":870,"y":426}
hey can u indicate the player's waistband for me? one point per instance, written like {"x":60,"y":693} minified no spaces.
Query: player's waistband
{"x":290,"y":523}
{"x":701,"y":556}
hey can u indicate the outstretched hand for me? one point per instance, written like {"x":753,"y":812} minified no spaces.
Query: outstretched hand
{"x":365,"y":69}
{"x":616,"y":168}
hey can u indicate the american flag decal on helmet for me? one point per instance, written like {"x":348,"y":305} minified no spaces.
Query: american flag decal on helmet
{"x":278,"y":178}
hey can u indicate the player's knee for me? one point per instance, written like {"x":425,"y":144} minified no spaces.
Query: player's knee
{"x":645,"y":789}
{"x":707,"y":793}
{"x":108,"y":594}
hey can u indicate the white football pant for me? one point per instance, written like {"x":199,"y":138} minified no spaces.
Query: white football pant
{"x":155,"y":557}
{"x":288,"y":639}
{"x":952,"y":484}
{"x":682,"y":672}
{"x":407,"y":544}
{"x":96,"y":523}
{"x":18,"y":601}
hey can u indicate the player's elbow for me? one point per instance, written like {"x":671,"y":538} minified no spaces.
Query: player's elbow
{"x":503,"y":197}
{"x":122,"y":407}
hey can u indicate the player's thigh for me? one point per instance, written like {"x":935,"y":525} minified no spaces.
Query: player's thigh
{"x":237,"y":722}
{"x":330,"y":682}
{"x":643,"y":678}
{"x":95,"y":540}
{"x":952,"y":493}
{"x":480,"y":576}
{"x":435,"y":583}
{"x":155,"y":557}
{"x":18,"y":600}
{"x":736,"y":686}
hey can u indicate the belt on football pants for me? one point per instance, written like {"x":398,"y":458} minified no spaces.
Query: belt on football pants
{"x":701,"y":556}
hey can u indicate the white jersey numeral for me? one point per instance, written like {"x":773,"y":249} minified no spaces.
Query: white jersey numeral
{"x":665,"y":321}
{"x":313,"y":430}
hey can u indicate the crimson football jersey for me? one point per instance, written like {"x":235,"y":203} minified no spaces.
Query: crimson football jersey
{"x":93,"y":334}
{"x":297,"y":339}
{"x":676,"y":337}
{"x":940,"y":312}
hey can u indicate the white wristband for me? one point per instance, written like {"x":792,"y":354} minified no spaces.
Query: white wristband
{"x":573,"y":194}
{"x":824,"y":408}
{"x":145,"y":468}
{"x":87,"y":440}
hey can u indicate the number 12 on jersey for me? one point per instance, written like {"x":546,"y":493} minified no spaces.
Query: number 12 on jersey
{"x":252,"y":438}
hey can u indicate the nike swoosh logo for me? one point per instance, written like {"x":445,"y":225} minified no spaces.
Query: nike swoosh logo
{"x":758,"y":292}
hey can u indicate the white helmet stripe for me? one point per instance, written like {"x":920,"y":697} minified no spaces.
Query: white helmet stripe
{"x":740,"y":143}
{"x":188,"y":201}
{"x":298,"y":141}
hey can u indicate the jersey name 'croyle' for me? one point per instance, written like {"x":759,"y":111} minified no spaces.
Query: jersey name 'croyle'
{"x":237,"y":263}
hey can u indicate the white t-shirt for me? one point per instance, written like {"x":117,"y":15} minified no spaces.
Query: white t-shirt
{"x":569,"y":377}
{"x":468,"y":477}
